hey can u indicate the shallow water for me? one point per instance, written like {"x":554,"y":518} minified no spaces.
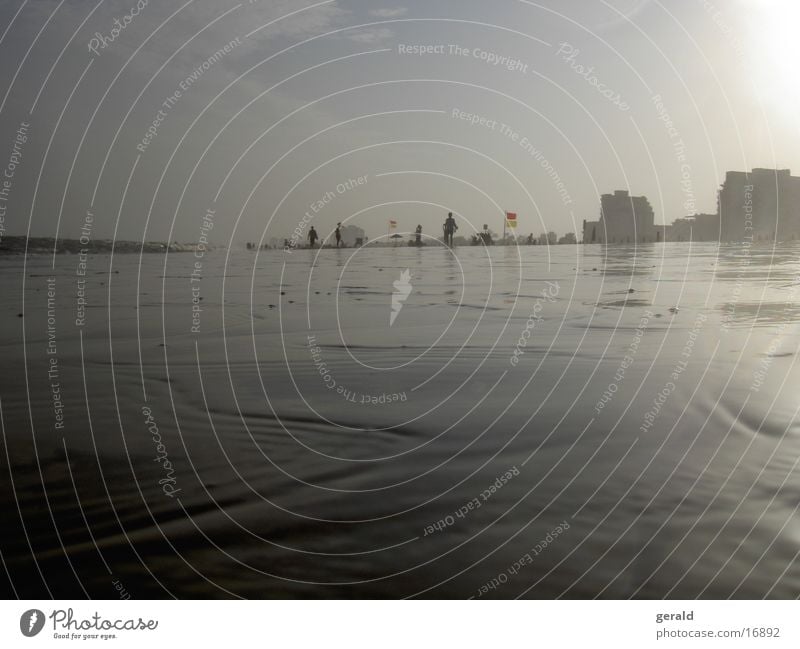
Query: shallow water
{"x":318,"y":451}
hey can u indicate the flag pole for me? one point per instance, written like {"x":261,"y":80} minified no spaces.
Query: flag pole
{"x":504,"y":227}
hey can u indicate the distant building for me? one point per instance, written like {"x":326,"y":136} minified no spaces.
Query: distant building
{"x":569,"y":237}
{"x":351,"y":235}
{"x":623,"y":219}
{"x":549,"y":239}
{"x":759,"y":205}
{"x":699,"y":227}
{"x":762,"y":205}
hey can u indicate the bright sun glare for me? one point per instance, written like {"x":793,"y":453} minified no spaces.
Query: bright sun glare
{"x":774,"y":45}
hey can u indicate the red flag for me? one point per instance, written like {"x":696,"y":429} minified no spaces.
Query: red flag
{"x":511,"y":219}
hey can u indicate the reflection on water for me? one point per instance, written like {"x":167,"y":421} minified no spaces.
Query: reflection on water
{"x":321,"y":451}
{"x":748,"y":314}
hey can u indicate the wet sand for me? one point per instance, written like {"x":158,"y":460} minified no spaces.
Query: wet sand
{"x":571,"y":421}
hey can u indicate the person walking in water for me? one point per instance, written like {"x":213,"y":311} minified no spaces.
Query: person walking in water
{"x":418,"y":235}
{"x":312,"y":237}
{"x":338,"y":234}
{"x":449,"y":229}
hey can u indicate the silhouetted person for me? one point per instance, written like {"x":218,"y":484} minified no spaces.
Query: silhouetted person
{"x":530,"y":239}
{"x":338,"y":234}
{"x":312,"y":237}
{"x":418,"y":235}
{"x":449,"y":229}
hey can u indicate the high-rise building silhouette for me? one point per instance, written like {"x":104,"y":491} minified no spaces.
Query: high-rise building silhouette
{"x":623,"y":219}
{"x":760,"y":205}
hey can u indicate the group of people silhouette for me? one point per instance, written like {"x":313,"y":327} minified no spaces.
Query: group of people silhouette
{"x":313,"y":237}
{"x":449,"y":228}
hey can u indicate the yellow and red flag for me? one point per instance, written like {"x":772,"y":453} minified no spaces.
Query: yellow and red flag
{"x":392,"y":224}
{"x":511,"y":219}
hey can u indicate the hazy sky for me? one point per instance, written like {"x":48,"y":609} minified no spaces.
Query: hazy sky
{"x":660,"y":98}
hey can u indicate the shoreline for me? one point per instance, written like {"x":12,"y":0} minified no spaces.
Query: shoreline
{"x":19,"y":244}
